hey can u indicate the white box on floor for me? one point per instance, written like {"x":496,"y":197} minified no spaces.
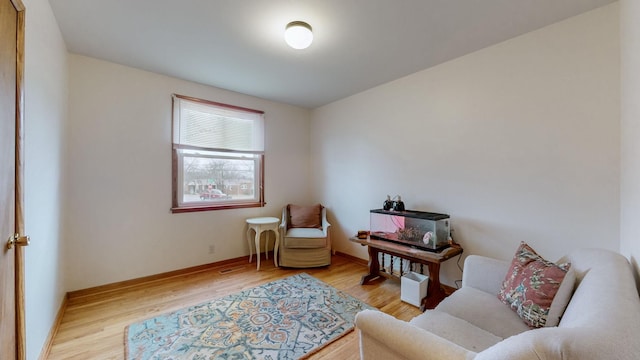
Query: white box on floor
{"x":413,"y":287}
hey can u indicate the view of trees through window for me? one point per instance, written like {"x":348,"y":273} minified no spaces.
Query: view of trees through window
{"x":233,"y":177}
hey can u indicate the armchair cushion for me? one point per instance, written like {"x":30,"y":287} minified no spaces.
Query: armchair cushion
{"x":304,"y":238}
{"x":305,"y":216}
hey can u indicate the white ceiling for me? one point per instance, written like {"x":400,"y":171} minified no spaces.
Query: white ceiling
{"x":238,"y":44}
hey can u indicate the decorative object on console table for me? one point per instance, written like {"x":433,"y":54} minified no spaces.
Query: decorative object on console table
{"x":398,"y":205}
{"x":387,"y":204}
{"x":435,"y":293}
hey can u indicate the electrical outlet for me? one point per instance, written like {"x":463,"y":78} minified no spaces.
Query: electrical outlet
{"x":212,"y":249}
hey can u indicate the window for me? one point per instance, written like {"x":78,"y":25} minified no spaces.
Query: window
{"x":218,"y":156}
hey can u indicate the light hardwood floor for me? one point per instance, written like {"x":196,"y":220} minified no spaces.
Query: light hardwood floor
{"x":93,"y":323}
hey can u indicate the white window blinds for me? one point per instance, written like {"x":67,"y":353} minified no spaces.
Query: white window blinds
{"x":217,"y":127}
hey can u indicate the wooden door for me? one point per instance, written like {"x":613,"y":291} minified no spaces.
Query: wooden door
{"x":12,"y":330}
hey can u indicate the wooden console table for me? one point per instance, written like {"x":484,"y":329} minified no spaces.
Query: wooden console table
{"x":435,"y":294}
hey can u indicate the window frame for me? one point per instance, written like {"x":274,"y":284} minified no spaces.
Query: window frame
{"x":176,"y":206}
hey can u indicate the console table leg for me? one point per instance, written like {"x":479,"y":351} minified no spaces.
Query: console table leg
{"x":435,"y":294}
{"x":374,"y":267}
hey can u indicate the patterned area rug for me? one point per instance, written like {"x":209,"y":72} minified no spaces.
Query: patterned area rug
{"x":285,"y":319}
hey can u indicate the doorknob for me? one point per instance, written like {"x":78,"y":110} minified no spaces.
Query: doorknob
{"x":17,"y":240}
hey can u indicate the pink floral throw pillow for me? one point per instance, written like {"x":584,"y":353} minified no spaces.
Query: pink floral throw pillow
{"x":531,"y":285}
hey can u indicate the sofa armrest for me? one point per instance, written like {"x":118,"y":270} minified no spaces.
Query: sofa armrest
{"x":484,"y":273}
{"x":384,"y":337}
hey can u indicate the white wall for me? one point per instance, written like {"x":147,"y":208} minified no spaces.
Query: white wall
{"x":517,"y":142}
{"x":45,"y":127}
{"x":119,"y":223}
{"x":630,"y":123}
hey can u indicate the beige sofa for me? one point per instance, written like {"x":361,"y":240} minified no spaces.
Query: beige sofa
{"x":601,"y":321}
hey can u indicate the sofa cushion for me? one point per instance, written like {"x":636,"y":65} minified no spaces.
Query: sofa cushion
{"x":305,"y":216}
{"x":456,"y":330}
{"x":530,"y":286}
{"x":483,"y":310}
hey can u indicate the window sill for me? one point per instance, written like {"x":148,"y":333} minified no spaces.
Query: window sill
{"x":186,"y":209}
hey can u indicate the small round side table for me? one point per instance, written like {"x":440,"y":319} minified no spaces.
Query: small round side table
{"x":260,"y":225}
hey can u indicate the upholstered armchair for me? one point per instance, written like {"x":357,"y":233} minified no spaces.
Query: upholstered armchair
{"x":305,"y":238}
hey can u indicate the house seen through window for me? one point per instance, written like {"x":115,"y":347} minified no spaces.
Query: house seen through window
{"x":218,"y":155}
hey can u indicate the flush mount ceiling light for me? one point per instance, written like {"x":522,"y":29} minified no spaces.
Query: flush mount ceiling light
{"x":298,"y":35}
